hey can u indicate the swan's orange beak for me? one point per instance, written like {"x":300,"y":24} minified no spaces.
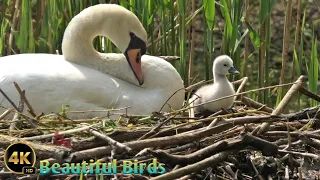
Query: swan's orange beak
{"x":134,"y":59}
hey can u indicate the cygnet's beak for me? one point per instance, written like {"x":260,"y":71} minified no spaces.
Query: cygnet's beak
{"x":233,"y":70}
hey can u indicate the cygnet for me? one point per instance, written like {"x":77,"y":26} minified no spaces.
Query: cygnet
{"x":222,"y":66}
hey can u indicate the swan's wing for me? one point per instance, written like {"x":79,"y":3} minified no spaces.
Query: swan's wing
{"x":51,"y":82}
{"x":142,"y":101}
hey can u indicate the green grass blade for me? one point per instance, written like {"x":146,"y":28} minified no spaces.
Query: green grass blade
{"x":4,"y":28}
{"x":265,"y":7}
{"x":313,"y":72}
{"x":209,"y":10}
{"x":22,"y":40}
{"x":182,"y":37}
{"x":226,"y":14}
{"x":254,"y":36}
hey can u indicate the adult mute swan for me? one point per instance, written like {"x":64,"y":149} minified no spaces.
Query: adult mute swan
{"x":221,"y":87}
{"x":88,"y":80}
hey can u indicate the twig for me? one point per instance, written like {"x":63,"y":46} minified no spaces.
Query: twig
{"x":304,"y":114}
{"x":8,"y":99}
{"x":309,"y":94}
{"x":170,"y":98}
{"x":67,"y":121}
{"x":193,"y":86}
{"x":190,"y":158}
{"x":30,"y":121}
{"x":300,"y":173}
{"x":215,"y":121}
{"x":170,"y":58}
{"x":171,"y":150}
{"x":116,"y":146}
{"x":17,"y":115}
{"x":71,"y":131}
{"x":122,"y":135}
{"x":208,"y":162}
{"x":284,"y":102}
{"x":5,"y":113}
{"x":251,"y":103}
{"x":155,"y":129}
{"x":24,"y":98}
{"x":17,"y":109}
{"x":43,"y":151}
{"x":106,"y":110}
{"x":243,"y":83}
{"x":212,"y":118}
{"x":313,"y":156}
{"x":230,"y":171}
{"x":200,"y":83}
{"x":293,"y":134}
{"x":255,"y":170}
{"x":310,"y":141}
{"x":287,"y":176}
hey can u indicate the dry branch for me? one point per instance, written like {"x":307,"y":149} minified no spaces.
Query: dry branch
{"x":43,"y":151}
{"x":251,"y":103}
{"x":24,"y":99}
{"x":208,"y":162}
{"x":45,"y":136}
{"x":5,"y":113}
{"x":116,"y":146}
{"x":284,"y":102}
{"x":190,"y":158}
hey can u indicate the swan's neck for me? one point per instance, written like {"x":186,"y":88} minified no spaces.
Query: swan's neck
{"x":77,"y":41}
{"x":77,"y":48}
{"x":77,"y":44}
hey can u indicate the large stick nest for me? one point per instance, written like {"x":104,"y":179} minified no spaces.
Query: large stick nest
{"x":251,"y":141}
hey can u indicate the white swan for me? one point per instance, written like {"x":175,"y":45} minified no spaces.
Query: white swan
{"x":88,"y":80}
{"x":221,"y":87}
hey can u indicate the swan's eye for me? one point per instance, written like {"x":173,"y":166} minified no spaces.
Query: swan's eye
{"x":225,"y":65}
{"x":132,"y":35}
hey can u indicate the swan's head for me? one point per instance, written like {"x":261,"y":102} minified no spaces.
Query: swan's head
{"x":223,"y":65}
{"x":125,"y":30}
{"x":116,"y":23}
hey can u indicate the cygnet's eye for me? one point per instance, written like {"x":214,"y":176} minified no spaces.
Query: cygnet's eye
{"x":225,"y":65}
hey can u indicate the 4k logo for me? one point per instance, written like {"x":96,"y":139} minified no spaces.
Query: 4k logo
{"x":19,"y":157}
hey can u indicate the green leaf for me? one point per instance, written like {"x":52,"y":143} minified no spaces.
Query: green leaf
{"x":296,"y":60}
{"x":265,"y":9}
{"x":314,"y":68}
{"x":209,"y":10}
{"x":240,"y":40}
{"x":189,"y":19}
{"x":226,"y":15}
{"x":24,"y":27}
{"x":254,"y":36}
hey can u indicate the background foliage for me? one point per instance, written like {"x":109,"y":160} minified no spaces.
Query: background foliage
{"x":271,"y":42}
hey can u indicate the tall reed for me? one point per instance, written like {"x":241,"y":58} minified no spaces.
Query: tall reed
{"x":239,"y":28}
